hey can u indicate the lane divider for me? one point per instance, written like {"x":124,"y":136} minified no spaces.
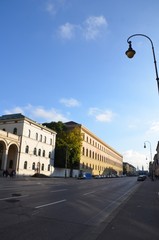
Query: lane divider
{"x":60,"y":190}
{"x":3,"y":199}
{"x":49,"y":204}
{"x":88,"y":193}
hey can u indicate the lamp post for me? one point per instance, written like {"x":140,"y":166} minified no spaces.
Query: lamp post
{"x":131,"y":52}
{"x":151,"y":171}
{"x":150,"y":149}
{"x":66,"y":162}
{"x":67,"y":155}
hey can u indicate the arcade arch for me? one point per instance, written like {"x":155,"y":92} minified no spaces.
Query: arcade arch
{"x":8,"y":154}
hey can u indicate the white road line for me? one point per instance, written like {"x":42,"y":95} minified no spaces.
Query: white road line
{"x":48,"y":204}
{"x":87,"y":193}
{"x":60,"y":190}
{"x":8,"y":188}
{"x":107,"y":210}
{"x":3,"y":199}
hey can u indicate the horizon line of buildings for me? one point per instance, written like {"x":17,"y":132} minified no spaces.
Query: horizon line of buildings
{"x":29,"y":147}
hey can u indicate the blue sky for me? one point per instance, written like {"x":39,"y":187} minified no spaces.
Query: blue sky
{"x":63,"y":60}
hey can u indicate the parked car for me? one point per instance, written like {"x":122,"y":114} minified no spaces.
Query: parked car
{"x":141,"y":178}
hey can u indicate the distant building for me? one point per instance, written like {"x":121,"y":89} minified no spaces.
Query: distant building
{"x":129,"y":169}
{"x":154,"y":167}
{"x":26,"y":146}
{"x":97,"y":157}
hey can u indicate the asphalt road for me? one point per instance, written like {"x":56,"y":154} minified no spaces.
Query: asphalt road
{"x":56,"y":209}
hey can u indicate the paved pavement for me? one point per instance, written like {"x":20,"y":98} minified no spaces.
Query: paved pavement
{"x":138,"y":218}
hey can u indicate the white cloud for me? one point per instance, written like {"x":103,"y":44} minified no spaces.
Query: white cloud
{"x":90,"y":29}
{"x":38,"y":113}
{"x":66,"y":31}
{"x":71,"y":102}
{"x":136,"y":159}
{"x":101,"y":115}
{"x":93,"y":27}
{"x":53,"y":6}
{"x":15,"y":110}
{"x":154,"y":127}
{"x":50,"y":8}
{"x":49,"y":115}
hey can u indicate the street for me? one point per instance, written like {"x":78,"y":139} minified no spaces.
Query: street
{"x":60,"y":208}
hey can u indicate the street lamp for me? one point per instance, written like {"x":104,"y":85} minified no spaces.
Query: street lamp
{"x":131,"y":52}
{"x":150,"y":149}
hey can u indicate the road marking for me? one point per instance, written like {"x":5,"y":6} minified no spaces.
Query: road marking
{"x":35,"y":212}
{"x":87,"y":193}
{"x":48,"y":204}
{"x":7,"y":188}
{"x":3,"y":199}
{"x":110,"y":208}
{"x":60,"y":190}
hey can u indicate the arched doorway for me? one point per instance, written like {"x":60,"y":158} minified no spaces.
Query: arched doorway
{"x":12,"y":157}
{"x":38,"y":167}
{"x":2,"y":154}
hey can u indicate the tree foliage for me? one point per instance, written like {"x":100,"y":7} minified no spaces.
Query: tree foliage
{"x":68,"y":145}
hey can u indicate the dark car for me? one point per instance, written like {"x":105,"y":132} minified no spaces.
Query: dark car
{"x":141,"y":178}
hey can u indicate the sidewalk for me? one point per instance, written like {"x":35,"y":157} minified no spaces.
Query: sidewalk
{"x":138,"y":219}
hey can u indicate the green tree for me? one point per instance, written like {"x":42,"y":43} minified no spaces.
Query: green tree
{"x":68,"y":145}
{"x":74,"y":144}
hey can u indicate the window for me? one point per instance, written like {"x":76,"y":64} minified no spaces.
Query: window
{"x":49,"y":154}
{"x":29,"y":133}
{"x":83,"y":165}
{"x":45,"y":139}
{"x":83,"y":151}
{"x":27,"y":149}
{"x":36,"y":136}
{"x":48,"y":168}
{"x":38,"y":167}
{"x":43,"y":153}
{"x":39,"y":152}
{"x":42,"y":167}
{"x":35,"y":151}
{"x":41,"y":137}
{"x":33,"y":166}
{"x":15,"y":131}
{"x":50,"y":141}
{"x":90,"y":153}
{"x":86,"y":152}
{"x":25,"y":165}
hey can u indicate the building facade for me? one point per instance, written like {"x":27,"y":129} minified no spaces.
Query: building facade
{"x":129,"y":169}
{"x":26,"y":146}
{"x":97,"y":157}
{"x":154,"y":166}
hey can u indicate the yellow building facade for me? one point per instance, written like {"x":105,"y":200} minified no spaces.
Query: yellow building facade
{"x":97,"y":157}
